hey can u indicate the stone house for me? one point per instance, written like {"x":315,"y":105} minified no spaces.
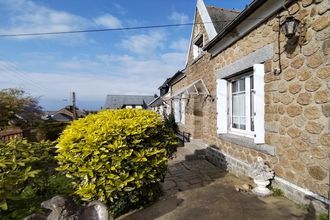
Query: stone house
{"x":11,"y":133}
{"x":249,"y":90}
{"x":161,"y":104}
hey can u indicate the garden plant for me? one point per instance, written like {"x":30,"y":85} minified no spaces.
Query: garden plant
{"x":117,"y":156}
{"x":28,"y":177}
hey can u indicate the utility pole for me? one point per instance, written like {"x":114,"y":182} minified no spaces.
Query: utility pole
{"x":74,"y":117}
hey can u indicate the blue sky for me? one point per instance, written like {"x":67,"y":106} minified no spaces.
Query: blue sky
{"x":94,"y":64}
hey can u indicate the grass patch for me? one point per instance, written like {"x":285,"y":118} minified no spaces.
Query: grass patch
{"x":277,"y":192}
{"x":304,"y":207}
{"x":324,"y":216}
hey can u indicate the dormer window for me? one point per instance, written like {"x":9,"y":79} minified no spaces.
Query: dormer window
{"x":198,"y":46}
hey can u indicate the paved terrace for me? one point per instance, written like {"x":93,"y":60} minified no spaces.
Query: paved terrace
{"x":196,"y":189}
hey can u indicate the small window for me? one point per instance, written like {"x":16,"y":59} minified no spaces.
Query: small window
{"x":180,"y":109}
{"x":198,"y":47}
{"x":242,"y":101}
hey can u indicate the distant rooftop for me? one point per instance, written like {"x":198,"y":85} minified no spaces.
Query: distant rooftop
{"x":119,"y":101}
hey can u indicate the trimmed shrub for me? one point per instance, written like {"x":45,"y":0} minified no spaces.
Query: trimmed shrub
{"x":18,"y":164}
{"x":116,"y":156}
{"x":28,"y":177}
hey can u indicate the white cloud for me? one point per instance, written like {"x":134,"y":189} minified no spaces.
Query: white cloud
{"x":26,"y":16}
{"x":181,"y":45}
{"x":77,"y":64}
{"x":108,"y":21}
{"x":144,"y":43}
{"x":93,"y":80}
{"x":29,"y":17}
{"x":119,"y":8}
{"x":178,"y":18}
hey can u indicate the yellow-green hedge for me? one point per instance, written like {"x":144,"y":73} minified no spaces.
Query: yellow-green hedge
{"x":116,"y":156}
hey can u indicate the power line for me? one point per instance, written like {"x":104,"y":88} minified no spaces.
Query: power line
{"x":111,"y":29}
{"x":20,"y":77}
{"x":10,"y":68}
{"x":94,"y":30}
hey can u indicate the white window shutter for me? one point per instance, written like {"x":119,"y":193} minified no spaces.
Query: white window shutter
{"x":259,"y":103}
{"x":195,"y":51}
{"x":183,"y":109}
{"x":222,"y":106}
{"x":177,"y":110}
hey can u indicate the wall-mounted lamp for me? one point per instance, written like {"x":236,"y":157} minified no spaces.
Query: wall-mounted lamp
{"x":290,"y":26}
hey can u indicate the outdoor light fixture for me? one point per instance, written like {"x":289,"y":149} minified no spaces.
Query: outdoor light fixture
{"x":290,"y":26}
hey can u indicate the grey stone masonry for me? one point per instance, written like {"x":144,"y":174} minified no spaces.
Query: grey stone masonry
{"x":248,"y":143}
{"x":291,"y":191}
{"x":227,"y":162}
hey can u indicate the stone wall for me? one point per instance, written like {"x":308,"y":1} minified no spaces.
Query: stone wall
{"x":297,"y":100}
{"x":291,"y":191}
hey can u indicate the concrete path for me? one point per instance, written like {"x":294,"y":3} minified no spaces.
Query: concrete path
{"x":196,"y":189}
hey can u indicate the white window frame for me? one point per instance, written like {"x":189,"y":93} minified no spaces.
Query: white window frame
{"x":198,"y":46}
{"x":224,"y":106}
{"x":247,"y":132}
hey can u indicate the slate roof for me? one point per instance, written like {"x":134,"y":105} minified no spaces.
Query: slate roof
{"x":49,"y":112}
{"x":175,"y":78}
{"x":221,"y":17}
{"x":68,"y":111}
{"x":165,"y":84}
{"x":62,"y":117}
{"x":156,"y":102}
{"x":64,"y":114}
{"x":118,"y":101}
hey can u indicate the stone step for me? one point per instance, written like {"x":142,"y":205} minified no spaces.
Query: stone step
{"x":195,"y":150}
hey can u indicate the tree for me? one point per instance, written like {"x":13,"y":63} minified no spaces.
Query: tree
{"x":170,"y":123}
{"x":17,"y":108}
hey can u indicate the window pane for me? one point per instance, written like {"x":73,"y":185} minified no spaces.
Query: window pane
{"x":235,"y":86}
{"x":241,"y":101}
{"x":235,"y":122}
{"x":242,"y":109}
{"x":251,"y":104}
{"x":252,"y":111}
{"x":242,"y":125}
{"x":239,"y":116}
{"x":238,"y":111}
{"x":251,"y":82}
{"x":235,"y":105}
{"x":242,"y":84}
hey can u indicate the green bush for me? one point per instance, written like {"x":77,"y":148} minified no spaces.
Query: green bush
{"x":18,"y":164}
{"x":37,"y":190}
{"x":49,"y":130}
{"x":169,"y":121}
{"x":116,"y":156}
{"x":28,"y":177}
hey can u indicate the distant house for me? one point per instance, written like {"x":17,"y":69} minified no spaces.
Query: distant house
{"x":64,"y":114}
{"x":127,"y":101}
{"x":157,"y":105}
{"x":10,"y":133}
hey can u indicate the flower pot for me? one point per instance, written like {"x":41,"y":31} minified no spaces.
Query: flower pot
{"x":261,"y":189}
